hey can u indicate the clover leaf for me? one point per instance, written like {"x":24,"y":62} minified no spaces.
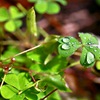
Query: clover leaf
{"x":11,"y":16}
{"x":68,"y":45}
{"x":88,"y":39}
{"x":87,"y":59}
{"x":4,"y":15}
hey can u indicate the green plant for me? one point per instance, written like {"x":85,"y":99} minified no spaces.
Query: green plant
{"x":98,"y":2}
{"x":48,"y":6}
{"x":11,"y":18}
{"x":90,"y":51}
{"x":38,"y":73}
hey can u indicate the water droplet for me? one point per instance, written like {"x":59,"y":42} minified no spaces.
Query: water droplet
{"x":90,"y":58}
{"x":84,"y":37}
{"x":95,"y":50}
{"x":65,"y":46}
{"x":73,"y":44}
{"x":65,"y":40}
{"x":91,"y":46}
{"x":89,"y":43}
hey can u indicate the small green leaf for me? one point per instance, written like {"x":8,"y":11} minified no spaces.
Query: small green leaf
{"x":41,"y":95}
{"x":53,"y":8}
{"x":8,"y":91}
{"x":37,"y":67}
{"x":18,"y":23}
{"x":54,"y":66}
{"x":37,"y":55}
{"x":4,"y":15}
{"x":57,"y":82}
{"x":18,"y":81}
{"x":12,"y":50}
{"x":95,"y":50}
{"x":33,"y":90}
{"x":68,"y":45}
{"x":63,"y":2}
{"x":29,"y":94}
{"x":40,"y":53}
{"x":54,"y":96}
{"x":32,"y":0}
{"x":15,"y":12}
{"x":12,"y":80}
{"x":23,"y":81}
{"x":87,"y":59}
{"x":88,"y":39}
{"x":98,"y":2}
{"x":10,"y":26}
{"x":41,"y":7}
{"x":31,"y":22}
{"x":18,"y":97}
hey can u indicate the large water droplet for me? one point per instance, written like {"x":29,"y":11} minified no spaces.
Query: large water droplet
{"x":65,"y":46}
{"x":65,"y":40}
{"x":90,"y":58}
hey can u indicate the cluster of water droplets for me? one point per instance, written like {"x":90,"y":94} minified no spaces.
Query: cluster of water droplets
{"x":66,"y":41}
{"x":94,"y":51}
{"x":94,"y":48}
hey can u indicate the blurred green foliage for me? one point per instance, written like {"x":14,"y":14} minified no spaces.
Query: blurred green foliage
{"x":48,"y":6}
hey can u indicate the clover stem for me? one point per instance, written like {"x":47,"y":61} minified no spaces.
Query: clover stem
{"x":30,"y":72}
{"x":73,"y":64}
{"x":77,"y":53}
{"x":20,"y":92}
{"x":49,"y":94}
{"x":3,"y":81}
{"x":23,"y":52}
{"x":22,"y":8}
{"x":27,"y":50}
{"x":43,"y":32}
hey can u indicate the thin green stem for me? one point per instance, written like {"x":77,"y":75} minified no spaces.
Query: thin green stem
{"x":77,"y":53}
{"x":73,"y":64}
{"x":49,"y":94}
{"x":23,"y":52}
{"x":21,"y":8}
{"x":27,"y":50}
{"x":29,"y":87}
{"x":43,"y":32}
{"x":3,"y":81}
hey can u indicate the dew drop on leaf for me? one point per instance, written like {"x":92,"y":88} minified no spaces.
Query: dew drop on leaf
{"x":65,"y":46}
{"x":84,"y":37}
{"x":90,"y":58}
{"x":89,"y":43}
{"x":91,"y":46}
{"x":73,"y":44}
{"x":95,"y":50}
{"x":65,"y":40}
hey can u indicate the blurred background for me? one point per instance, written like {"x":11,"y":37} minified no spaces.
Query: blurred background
{"x":69,"y":18}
